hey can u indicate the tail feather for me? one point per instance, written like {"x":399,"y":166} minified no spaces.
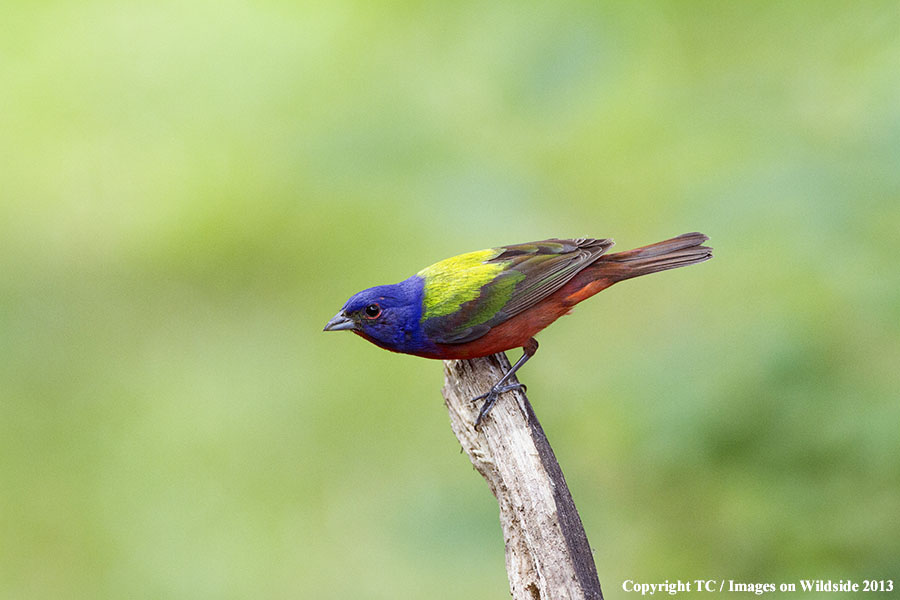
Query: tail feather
{"x":681,"y":251}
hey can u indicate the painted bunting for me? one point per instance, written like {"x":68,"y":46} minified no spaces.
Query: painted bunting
{"x":493,"y":300}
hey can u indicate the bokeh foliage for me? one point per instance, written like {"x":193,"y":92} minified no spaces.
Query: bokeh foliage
{"x":188,"y":191}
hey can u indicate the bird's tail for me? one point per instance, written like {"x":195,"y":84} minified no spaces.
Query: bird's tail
{"x":681,"y":251}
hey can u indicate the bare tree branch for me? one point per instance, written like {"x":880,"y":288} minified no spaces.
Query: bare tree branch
{"x":547,"y":552}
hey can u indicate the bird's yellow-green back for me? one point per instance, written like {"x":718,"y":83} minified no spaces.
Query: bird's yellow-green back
{"x":458,"y":279}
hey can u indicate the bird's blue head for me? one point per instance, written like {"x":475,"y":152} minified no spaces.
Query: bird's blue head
{"x":386,"y":315}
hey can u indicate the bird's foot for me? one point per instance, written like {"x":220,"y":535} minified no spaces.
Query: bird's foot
{"x":490,"y":397}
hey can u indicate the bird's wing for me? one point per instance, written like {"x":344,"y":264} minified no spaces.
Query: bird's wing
{"x":466,"y":296}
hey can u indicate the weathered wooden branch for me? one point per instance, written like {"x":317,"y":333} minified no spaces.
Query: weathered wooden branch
{"x":547,"y":552}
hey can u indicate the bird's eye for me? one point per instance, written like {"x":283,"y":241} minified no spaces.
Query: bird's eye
{"x":372,"y":311}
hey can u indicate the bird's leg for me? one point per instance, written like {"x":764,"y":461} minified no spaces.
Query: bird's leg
{"x":490,"y":397}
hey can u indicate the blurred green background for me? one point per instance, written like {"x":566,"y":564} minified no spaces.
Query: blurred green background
{"x":189,"y":191}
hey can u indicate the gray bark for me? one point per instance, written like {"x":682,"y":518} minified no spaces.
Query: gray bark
{"x":547,"y":552}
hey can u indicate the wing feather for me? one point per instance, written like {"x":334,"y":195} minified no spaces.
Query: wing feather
{"x":530,"y":272}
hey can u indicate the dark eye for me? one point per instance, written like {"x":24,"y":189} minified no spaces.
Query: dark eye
{"x":372,"y":311}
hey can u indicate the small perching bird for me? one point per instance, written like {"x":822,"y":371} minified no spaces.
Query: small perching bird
{"x":493,"y":300}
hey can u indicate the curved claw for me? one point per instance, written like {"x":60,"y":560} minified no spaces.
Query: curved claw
{"x":477,"y":398}
{"x":511,"y":387}
{"x":490,"y":397}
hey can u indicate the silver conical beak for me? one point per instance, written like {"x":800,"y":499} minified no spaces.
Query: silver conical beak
{"x":339,"y":323}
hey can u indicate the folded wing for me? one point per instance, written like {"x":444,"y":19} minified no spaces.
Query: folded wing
{"x":523,"y":275}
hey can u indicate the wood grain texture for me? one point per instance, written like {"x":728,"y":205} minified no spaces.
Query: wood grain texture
{"x":547,"y":552}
